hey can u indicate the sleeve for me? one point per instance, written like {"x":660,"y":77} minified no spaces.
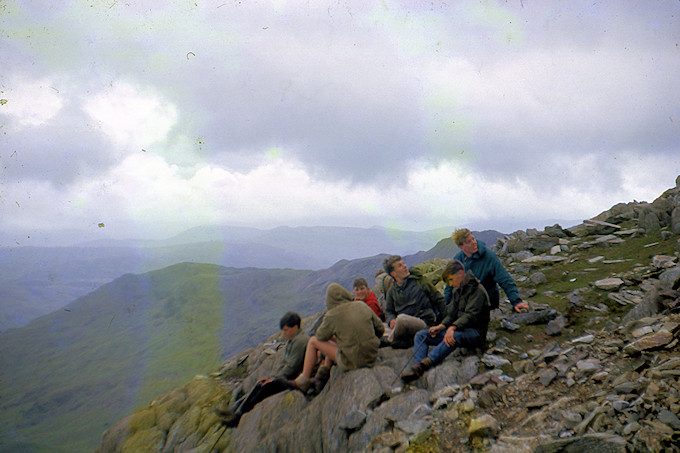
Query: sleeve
{"x":473,"y":308}
{"x":293,"y":359}
{"x":378,"y":326}
{"x":372,"y":302}
{"x":436,"y":298}
{"x":502,"y":277}
{"x":390,"y":314}
{"x":325,"y":331}
{"x":451,"y":308}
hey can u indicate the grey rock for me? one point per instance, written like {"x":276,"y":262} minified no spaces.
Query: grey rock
{"x":588,"y":443}
{"x":608,"y":284}
{"x":484,"y":426}
{"x":588,"y":365}
{"x":585,"y":339}
{"x":648,"y":219}
{"x":509,"y":325}
{"x":494,"y":361}
{"x":675,"y":221}
{"x":533,"y":317}
{"x":669,"y":418}
{"x":354,"y":420}
{"x":546,"y":376}
{"x":556,"y":326}
{"x":537,"y":278}
{"x":670,"y":278}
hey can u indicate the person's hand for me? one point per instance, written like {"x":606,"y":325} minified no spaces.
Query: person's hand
{"x":448,"y":337}
{"x":392,"y":323}
{"x":522,"y":306}
{"x":434,"y":330}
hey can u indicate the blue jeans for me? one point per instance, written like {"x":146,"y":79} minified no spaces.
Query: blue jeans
{"x":423,"y":341}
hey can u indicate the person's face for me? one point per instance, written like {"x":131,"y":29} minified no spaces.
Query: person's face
{"x":289,"y":332}
{"x":361,"y":292}
{"x":456,"y":280}
{"x":469,"y":245}
{"x":400,"y":270}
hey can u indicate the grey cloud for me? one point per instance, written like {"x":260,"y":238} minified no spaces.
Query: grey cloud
{"x":60,"y":150}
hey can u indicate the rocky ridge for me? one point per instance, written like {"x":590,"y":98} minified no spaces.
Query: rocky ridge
{"x":593,"y":367}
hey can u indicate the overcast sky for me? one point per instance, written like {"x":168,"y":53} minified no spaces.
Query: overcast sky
{"x":150,"y":117}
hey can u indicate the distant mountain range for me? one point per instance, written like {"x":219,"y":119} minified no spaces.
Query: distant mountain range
{"x":35,"y":281}
{"x":94,"y":360}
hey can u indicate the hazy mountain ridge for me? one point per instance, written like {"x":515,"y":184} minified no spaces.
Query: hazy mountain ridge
{"x":38,"y":280}
{"x":136,"y":316}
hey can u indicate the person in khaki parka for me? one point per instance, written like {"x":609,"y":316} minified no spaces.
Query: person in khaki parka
{"x":348,"y":336}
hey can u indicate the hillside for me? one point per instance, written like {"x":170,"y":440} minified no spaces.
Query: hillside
{"x":592,"y":367}
{"x":139,"y":335}
{"x":66,"y":375}
{"x":36,"y":281}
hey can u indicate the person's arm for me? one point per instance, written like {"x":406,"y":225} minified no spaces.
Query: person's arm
{"x":372,"y":302}
{"x":294,"y":357}
{"x":378,"y":326}
{"x":436,"y":298}
{"x":472,"y":309}
{"x":505,"y":281}
{"x":325,"y":331}
{"x":390,"y":313}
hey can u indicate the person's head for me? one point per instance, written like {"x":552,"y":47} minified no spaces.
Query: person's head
{"x":454,"y":274}
{"x":336,"y":295}
{"x":290,"y":324}
{"x":465,"y":241}
{"x":361,"y":289}
{"x":395,"y":266}
{"x":383,"y":281}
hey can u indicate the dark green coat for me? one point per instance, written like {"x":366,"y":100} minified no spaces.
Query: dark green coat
{"x":468,"y":307}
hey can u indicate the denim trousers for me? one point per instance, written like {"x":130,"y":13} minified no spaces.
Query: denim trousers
{"x":423,"y":341}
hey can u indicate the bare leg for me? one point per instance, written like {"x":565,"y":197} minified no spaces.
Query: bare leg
{"x":327,"y":348}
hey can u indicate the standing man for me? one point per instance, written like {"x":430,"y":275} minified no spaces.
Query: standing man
{"x":487,"y":268}
{"x":465,"y":323}
{"x":413,"y":303}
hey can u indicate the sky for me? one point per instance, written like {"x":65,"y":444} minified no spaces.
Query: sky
{"x":141,"y":119}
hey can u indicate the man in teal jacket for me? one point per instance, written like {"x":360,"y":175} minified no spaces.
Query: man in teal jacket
{"x":487,"y":268}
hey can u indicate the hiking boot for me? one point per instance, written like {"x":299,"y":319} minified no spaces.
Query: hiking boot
{"x":417,"y":370}
{"x":322,"y":376}
{"x":302,"y":383}
{"x":228,"y":418}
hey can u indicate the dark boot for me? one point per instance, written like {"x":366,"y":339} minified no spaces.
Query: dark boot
{"x":417,"y":370}
{"x":321,"y":378}
{"x":229,"y":419}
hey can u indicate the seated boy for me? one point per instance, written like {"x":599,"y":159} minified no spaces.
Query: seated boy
{"x":291,"y":365}
{"x":363,"y":292}
{"x":465,"y":323}
{"x":348,"y":336}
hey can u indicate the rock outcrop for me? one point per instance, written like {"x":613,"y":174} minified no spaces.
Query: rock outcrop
{"x":593,"y":366}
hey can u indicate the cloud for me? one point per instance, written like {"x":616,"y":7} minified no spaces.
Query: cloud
{"x":346,"y":113}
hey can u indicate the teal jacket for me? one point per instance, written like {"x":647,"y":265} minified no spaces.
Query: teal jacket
{"x":489,"y":270}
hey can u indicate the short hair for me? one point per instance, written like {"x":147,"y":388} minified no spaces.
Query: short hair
{"x":459,"y":236}
{"x":452,"y":268}
{"x":388,"y":263}
{"x":359,"y":282}
{"x":290,"y":319}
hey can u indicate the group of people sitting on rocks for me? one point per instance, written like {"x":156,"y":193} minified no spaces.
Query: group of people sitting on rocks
{"x":415,"y":314}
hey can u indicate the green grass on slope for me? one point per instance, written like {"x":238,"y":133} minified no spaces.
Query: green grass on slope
{"x":578,"y":273}
{"x":67,"y":376}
